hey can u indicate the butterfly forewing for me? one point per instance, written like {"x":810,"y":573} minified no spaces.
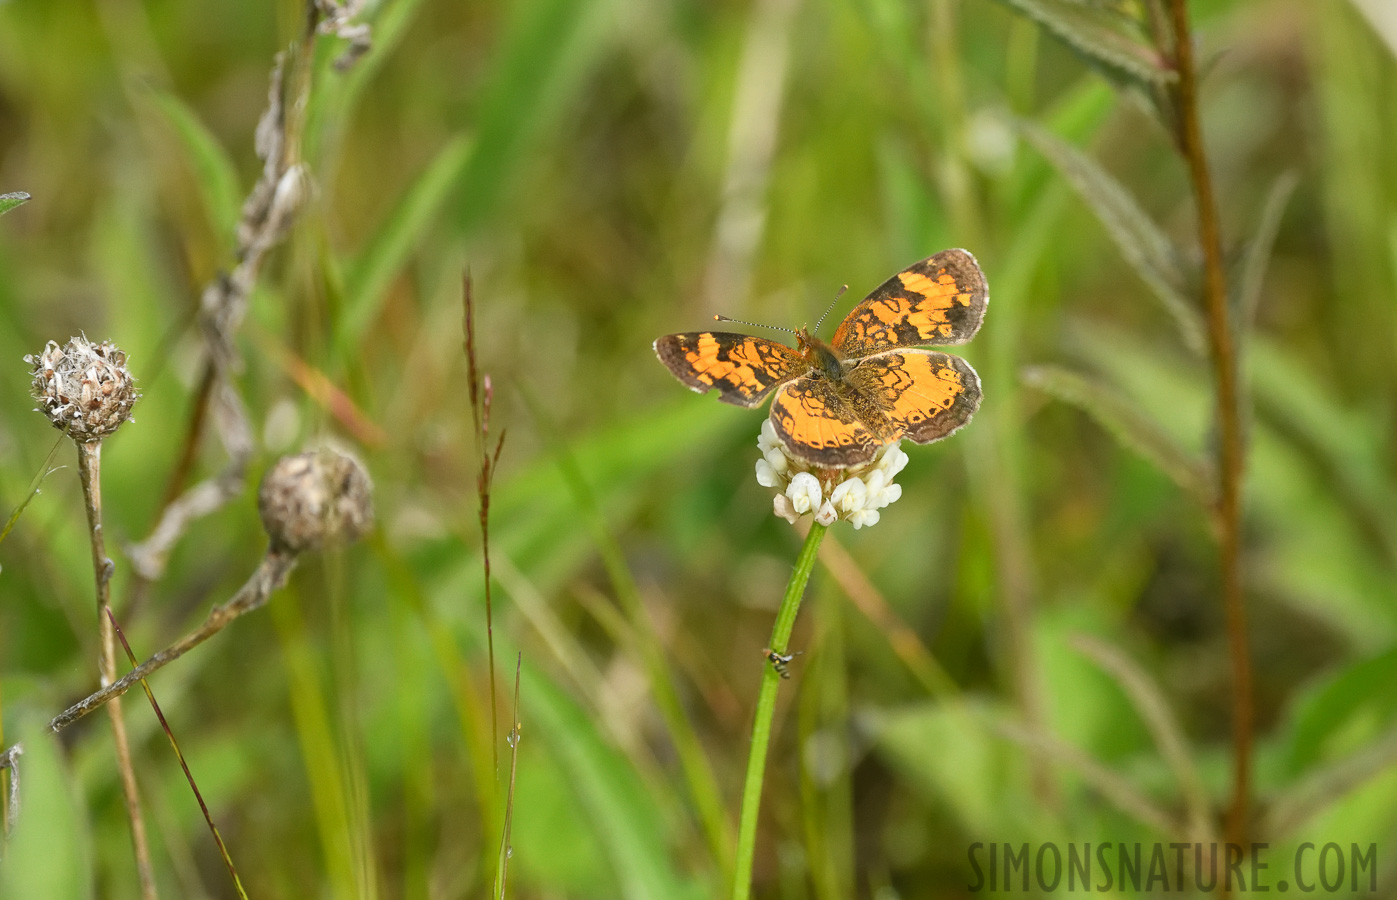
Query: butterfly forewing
{"x":940,"y":300}
{"x":743,"y":368}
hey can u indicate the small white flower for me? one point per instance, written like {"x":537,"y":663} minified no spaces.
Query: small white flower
{"x":777,"y":460}
{"x":767,"y":440}
{"x":804,"y":491}
{"x":880,"y":492}
{"x":767,"y":476}
{"x":887,"y":496}
{"x":893,"y":461}
{"x":850,"y":495}
{"x":864,"y":517}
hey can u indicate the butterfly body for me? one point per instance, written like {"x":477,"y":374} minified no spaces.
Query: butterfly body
{"x":837,"y":404}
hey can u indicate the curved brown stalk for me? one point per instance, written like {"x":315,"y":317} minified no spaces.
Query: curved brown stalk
{"x":1231,"y":443}
{"x":270,"y":575}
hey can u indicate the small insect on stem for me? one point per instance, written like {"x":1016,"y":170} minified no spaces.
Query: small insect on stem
{"x":779,"y":661}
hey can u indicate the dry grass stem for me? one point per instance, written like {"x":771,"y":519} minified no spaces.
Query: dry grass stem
{"x":267,"y":216}
{"x":752,"y":138}
{"x":90,"y":474}
{"x":270,"y":575}
{"x":189,"y":776}
{"x":482,"y":395}
{"x":905,"y":642}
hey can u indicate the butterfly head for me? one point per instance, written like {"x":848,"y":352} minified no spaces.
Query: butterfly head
{"x":818,"y":353}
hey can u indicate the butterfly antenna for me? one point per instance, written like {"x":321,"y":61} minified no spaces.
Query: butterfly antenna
{"x":830,"y":307}
{"x":753,"y":324}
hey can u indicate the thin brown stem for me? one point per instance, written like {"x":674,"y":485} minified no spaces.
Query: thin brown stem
{"x":90,"y":474}
{"x":481,"y":396}
{"x":193,"y":437}
{"x":270,"y":575}
{"x":1230,"y":451}
{"x":188,"y":775}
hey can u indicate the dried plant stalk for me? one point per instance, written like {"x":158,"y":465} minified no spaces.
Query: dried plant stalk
{"x":90,"y":474}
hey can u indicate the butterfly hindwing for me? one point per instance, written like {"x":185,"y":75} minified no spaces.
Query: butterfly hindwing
{"x":940,"y":300}
{"x":821,"y":426}
{"x":743,"y":368}
{"x":926,"y":395}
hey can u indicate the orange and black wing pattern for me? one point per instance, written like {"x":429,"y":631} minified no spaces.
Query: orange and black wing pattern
{"x":926,"y":395}
{"x":820,"y":426}
{"x":940,"y":300}
{"x":743,"y":368}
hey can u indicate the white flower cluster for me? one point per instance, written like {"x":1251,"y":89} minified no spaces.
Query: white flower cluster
{"x":854,"y":495}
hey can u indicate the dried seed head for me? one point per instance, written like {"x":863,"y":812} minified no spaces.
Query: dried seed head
{"x":84,"y":388}
{"x":316,"y":498}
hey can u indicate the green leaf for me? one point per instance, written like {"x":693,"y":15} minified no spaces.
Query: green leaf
{"x":1252,"y":276}
{"x":335,"y":95}
{"x":548,"y":47}
{"x":1347,"y":447}
{"x":1329,"y":787}
{"x":980,"y":781}
{"x":624,"y":816}
{"x":1145,"y":247}
{"x":1341,"y":712}
{"x":44,"y":472}
{"x":1154,"y":710}
{"x":10,"y":201}
{"x":395,"y":240}
{"x":213,"y":169}
{"x":49,"y":854}
{"x":1124,"y":420}
{"x":1095,"y":35}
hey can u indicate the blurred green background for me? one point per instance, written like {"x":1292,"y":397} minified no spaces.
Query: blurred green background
{"x":610,"y":171}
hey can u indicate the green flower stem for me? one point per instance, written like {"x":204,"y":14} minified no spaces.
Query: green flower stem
{"x":766,"y":712}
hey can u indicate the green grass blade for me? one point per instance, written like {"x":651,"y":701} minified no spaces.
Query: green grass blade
{"x":1258,"y":253}
{"x":213,"y":170}
{"x":698,"y":771}
{"x":1098,"y":39}
{"x":1124,"y":420}
{"x":1144,"y":245}
{"x":336,"y":94}
{"x":626,"y":822}
{"x":44,"y":472}
{"x":49,"y":854}
{"x":548,"y":44}
{"x":395,"y":241}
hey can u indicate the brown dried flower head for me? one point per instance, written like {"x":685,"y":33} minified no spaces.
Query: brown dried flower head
{"x":316,"y":498}
{"x":84,"y":388}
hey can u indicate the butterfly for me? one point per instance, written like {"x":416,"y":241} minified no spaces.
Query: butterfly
{"x":838,"y":404}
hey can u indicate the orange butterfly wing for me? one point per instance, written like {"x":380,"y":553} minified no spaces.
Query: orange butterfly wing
{"x":819,"y":426}
{"x":940,"y":300}
{"x":743,"y":368}
{"x":925,"y":394}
